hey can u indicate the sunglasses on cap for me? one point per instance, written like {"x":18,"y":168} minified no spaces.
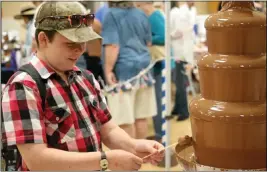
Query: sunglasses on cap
{"x":74,"y":20}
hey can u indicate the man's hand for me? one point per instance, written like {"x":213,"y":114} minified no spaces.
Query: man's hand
{"x":111,"y":78}
{"x":144,"y":148}
{"x":122,"y":160}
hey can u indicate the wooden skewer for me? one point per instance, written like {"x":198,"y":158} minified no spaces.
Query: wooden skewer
{"x":161,"y":150}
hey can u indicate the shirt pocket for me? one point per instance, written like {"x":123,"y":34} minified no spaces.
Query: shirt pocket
{"x":58,"y":114}
{"x":59,"y":124}
{"x":94,"y":109}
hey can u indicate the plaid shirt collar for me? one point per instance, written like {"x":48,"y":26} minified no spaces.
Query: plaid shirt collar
{"x":45,"y":70}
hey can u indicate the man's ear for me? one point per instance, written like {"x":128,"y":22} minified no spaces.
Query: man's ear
{"x":43,"y":40}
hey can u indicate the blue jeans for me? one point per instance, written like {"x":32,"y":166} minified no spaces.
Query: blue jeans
{"x":157,"y":120}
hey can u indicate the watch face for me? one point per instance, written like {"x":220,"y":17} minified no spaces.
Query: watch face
{"x":104,"y":163}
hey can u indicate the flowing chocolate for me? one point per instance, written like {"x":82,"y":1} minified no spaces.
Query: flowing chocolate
{"x":228,"y":120}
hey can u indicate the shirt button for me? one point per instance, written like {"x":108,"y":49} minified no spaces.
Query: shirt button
{"x":94,"y":103}
{"x":57,"y":118}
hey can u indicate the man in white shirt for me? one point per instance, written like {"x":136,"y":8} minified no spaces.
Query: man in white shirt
{"x":182,"y":20}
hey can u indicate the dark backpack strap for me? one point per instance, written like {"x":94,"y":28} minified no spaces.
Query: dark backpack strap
{"x":28,"y":68}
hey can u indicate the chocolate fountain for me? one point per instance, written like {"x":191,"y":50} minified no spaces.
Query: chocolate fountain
{"x":228,"y":119}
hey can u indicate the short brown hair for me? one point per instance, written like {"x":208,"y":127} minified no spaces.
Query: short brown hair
{"x":49,"y":33}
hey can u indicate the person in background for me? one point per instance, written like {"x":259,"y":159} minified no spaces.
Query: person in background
{"x":182,"y":21}
{"x":91,"y":58}
{"x":260,"y":6}
{"x":220,"y":6}
{"x":157,"y":23}
{"x":94,"y":47}
{"x":27,"y":15}
{"x":81,"y":62}
{"x":66,"y":131}
{"x":126,"y":34}
{"x":9,"y":59}
{"x":159,"y":6}
{"x":101,"y":12}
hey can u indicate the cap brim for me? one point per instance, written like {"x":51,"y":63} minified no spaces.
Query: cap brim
{"x":27,"y":13}
{"x":17,"y":17}
{"x":83,"y":34}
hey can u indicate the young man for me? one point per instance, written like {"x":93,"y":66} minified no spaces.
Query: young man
{"x":68,"y":133}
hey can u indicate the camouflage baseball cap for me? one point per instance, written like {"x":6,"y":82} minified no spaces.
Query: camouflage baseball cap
{"x":82,"y":33}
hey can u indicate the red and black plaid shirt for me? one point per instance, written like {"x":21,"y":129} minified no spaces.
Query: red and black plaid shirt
{"x":73,"y":113}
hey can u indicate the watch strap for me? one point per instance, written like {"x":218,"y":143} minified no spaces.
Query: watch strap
{"x":103,"y":155}
{"x":103,"y":158}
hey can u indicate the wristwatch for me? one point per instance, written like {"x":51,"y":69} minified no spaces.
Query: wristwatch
{"x":103,"y":161}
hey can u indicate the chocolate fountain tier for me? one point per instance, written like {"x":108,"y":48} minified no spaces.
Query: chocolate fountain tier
{"x":228,"y":121}
{"x":237,"y":29}
{"x":233,"y":77}
{"x":229,"y":135}
{"x":186,"y":158}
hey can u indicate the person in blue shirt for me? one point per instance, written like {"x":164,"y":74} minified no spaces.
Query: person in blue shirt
{"x":126,"y":34}
{"x":157,"y":23}
{"x":156,"y":20}
{"x":101,"y":12}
